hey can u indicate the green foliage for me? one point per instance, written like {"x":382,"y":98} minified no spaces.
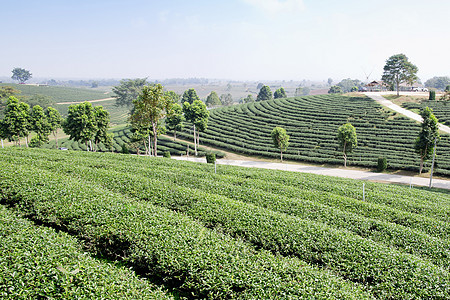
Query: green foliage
{"x":210,"y":158}
{"x":348,"y":85}
{"x":54,"y":121}
{"x":302,"y":91}
{"x":432,"y":95}
{"x":175,"y":119}
{"x":381,"y":164}
{"x":172,"y":96}
{"x":125,"y":149}
{"x":41,"y":100}
{"x":190,"y":96}
{"x":354,"y":89}
{"x":280,"y":139}
{"x":279,"y":93}
{"x":248,"y":99}
{"x":128,"y":90}
{"x":196,"y":113}
{"x":81,"y":123}
{"x":16,"y":121}
{"x":335,"y":89}
{"x":226,"y":99}
{"x":213,"y":99}
{"x":21,"y":75}
{"x":447,"y":88}
{"x":264,"y":93}
{"x":398,"y":70}
{"x":347,"y":140}
{"x":428,"y":134}
{"x":438,"y":82}
{"x":40,"y":124}
{"x":166,"y":154}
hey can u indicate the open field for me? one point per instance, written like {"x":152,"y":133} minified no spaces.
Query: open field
{"x":312,"y":124}
{"x":240,"y":233}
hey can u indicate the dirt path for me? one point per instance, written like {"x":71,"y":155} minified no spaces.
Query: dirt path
{"x":92,"y":101}
{"x":380,"y":99}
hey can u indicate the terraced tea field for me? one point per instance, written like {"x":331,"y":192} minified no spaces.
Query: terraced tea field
{"x":241,"y":233}
{"x":441,"y":109}
{"x":312,"y":124}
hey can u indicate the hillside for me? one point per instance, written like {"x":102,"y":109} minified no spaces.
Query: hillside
{"x":441,"y":109}
{"x":240,"y":233}
{"x":312,"y":124}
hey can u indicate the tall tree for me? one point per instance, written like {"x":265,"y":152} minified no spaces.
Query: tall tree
{"x":428,"y":133}
{"x":5,"y":93}
{"x":335,"y":89}
{"x":280,"y":139}
{"x":54,"y":120}
{"x":102,"y":120}
{"x":348,"y":84}
{"x":21,"y":75}
{"x":264,"y":93}
{"x":189,"y":96}
{"x":248,"y":99}
{"x":151,"y":106}
{"x":16,"y":120}
{"x":212,"y":99}
{"x":128,"y":90}
{"x":279,"y":93}
{"x":175,"y":120}
{"x":198,"y":114}
{"x":398,"y":70}
{"x":40,"y":125}
{"x":226,"y":99}
{"x":347,"y":140}
{"x":81,"y":124}
{"x":172,"y":96}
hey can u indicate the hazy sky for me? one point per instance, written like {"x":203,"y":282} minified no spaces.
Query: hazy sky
{"x":229,"y":39}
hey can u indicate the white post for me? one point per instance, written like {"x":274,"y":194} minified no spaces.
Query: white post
{"x":364,"y":191}
{"x":2,"y":143}
{"x":432,"y":164}
{"x":410,"y":183}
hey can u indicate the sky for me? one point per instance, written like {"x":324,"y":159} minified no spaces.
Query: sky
{"x":229,"y":39}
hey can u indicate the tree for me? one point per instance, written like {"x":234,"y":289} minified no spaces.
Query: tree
{"x":280,"y":139}
{"x":102,"y":120}
{"x":398,"y":70}
{"x":330,"y":81}
{"x":347,"y":140}
{"x":54,"y":120}
{"x":212,"y":99}
{"x":226,"y":99}
{"x":259,"y":86}
{"x":39,"y":124}
{"x":335,"y":89}
{"x":81,"y":124}
{"x":347,"y":85}
{"x":16,"y":120}
{"x":21,"y":75}
{"x":128,"y":90}
{"x":175,"y":120}
{"x":5,"y":93}
{"x":279,"y":93}
{"x":428,"y":133}
{"x":248,"y":99}
{"x":264,"y":93}
{"x":172,"y":96}
{"x":151,"y":106}
{"x":189,"y":96}
{"x":438,"y":82}
{"x":198,"y":114}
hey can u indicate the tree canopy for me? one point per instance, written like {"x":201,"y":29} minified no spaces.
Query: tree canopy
{"x":175,"y":120}
{"x":128,"y":90}
{"x":21,"y":75}
{"x":212,"y":99}
{"x":54,"y":120}
{"x":429,"y":132}
{"x":81,"y":124}
{"x":398,"y":69}
{"x":226,"y":99}
{"x":39,"y":124}
{"x":347,"y":140}
{"x":189,"y":96}
{"x":335,"y":89}
{"x":264,"y":93}
{"x":16,"y":123}
{"x":438,"y":82}
{"x":280,"y":139}
{"x":198,"y":114}
{"x":279,"y":93}
{"x":348,"y":85}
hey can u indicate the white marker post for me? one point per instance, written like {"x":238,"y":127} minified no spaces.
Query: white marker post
{"x":2,"y":143}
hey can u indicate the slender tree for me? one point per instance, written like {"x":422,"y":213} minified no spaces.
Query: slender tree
{"x":55,"y":121}
{"x":347,"y":140}
{"x":175,"y":120}
{"x":398,"y":70}
{"x":128,"y":90}
{"x":102,"y":120}
{"x":189,"y":96}
{"x":40,"y":125}
{"x":151,"y":106}
{"x":280,"y":139}
{"x":226,"y":99}
{"x":198,"y":114}
{"x":213,"y":99}
{"x":428,"y":133}
{"x":172,"y":96}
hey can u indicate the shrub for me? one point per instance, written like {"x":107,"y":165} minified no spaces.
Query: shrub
{"x":210,"y":158}
{"x":432,"y":95}
{"x":166,"y":154}
{"x":382,"y":164}
{"x":125,"y":149}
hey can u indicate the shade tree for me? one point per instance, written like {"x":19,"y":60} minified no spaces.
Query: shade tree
{"x":398,"y":69}
{"x":347,"y":140}
{"x":429,"y":133}
{"x":280,"y":139}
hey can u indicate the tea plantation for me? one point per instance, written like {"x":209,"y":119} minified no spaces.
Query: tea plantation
{"x":441,"y":109}
{"x":177,"y":229}
{"x":312,"y":124}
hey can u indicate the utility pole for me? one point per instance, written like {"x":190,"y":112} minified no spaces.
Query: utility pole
{"x":432,"y":164}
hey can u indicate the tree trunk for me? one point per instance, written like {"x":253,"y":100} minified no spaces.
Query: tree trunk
{"x":26,"y":141}
{"x":150,"y":147}
{"x":281,"y":156}
{"x":195,"y":143}
{"x":421,"y":165}
{"x":198,"y":138}
{"x":2,"y":143}
{"x":86,"y":143}
{"x":145,"y":146}
{"x":155,"y":128}
{"x":345,"y":155}
{"x":56,"y":139}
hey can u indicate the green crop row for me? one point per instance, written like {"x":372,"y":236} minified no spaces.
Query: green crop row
{"x":386,"y":272}
{"x":39,"y":263}
{"x":194,"y":260}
